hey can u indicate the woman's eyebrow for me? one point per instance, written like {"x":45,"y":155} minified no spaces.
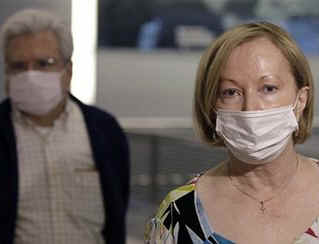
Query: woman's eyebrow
{"x":223,"y":79}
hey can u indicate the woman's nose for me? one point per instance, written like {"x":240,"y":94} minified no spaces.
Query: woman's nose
{"x":251,"y":102}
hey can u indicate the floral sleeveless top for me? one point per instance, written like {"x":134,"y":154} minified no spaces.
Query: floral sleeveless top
{"x":181,"y":219}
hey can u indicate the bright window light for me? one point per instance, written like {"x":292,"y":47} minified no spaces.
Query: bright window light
{"x":84,"y":30}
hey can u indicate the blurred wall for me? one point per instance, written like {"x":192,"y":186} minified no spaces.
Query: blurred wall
{"x":157,"y":84}
{"x":146,"y":84}
{"x":7,"y":8}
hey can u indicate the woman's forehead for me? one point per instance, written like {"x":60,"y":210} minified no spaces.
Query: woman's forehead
{"x":257,"y":58}
{"x":254,"y":48}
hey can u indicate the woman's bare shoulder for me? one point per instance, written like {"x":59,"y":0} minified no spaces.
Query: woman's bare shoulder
{"x":216,"y":172}
{"x":212,"y":179}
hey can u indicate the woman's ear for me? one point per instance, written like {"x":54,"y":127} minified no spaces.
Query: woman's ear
{"x":302,"y":100}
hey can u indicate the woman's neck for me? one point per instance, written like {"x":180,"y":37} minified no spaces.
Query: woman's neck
{"x":264,"y":180}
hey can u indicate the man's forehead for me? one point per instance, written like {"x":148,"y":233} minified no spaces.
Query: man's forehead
{"x":42,"y":44}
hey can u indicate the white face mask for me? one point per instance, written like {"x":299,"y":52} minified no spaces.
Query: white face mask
{"x":35,"y":92}
{"x":256,"y":137}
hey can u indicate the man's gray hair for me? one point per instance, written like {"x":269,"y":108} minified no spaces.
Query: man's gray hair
{"x":34,"y":21}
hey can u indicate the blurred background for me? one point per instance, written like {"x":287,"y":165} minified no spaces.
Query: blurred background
{"x":138,"y":58}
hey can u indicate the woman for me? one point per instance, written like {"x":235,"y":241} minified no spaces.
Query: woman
{"x":254,"y":95}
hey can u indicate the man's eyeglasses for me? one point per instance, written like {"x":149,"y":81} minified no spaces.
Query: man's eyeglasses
{"x":45,"y":64}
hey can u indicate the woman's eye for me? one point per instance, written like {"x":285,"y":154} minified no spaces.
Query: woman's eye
{"x":230,"y":92}
{"x":270,"y":89}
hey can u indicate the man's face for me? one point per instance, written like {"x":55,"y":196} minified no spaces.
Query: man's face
{"x":40,"y":52}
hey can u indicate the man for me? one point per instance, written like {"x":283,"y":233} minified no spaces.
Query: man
{"x":64,"y":168}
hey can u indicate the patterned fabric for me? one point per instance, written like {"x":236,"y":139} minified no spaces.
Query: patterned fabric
{"x":60,"y":198}
{"x":181,"y":219}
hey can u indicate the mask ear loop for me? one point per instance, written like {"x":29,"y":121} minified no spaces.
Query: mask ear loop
{"x":296,"y":102}
{"x":296,"y":132}
{"x":215,"y":136}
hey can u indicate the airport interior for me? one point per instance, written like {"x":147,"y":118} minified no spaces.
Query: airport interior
{"x":141,"y":67}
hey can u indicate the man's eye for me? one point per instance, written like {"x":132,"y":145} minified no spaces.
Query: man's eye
{"x":46,"y":63}
{"x":43,"y":63}
{"x":17,"y":65}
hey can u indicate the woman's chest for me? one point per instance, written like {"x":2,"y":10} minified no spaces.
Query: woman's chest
{"x":243,"y":221}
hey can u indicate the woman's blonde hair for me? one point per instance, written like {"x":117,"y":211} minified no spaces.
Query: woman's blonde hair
{"x":216,"y":56}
